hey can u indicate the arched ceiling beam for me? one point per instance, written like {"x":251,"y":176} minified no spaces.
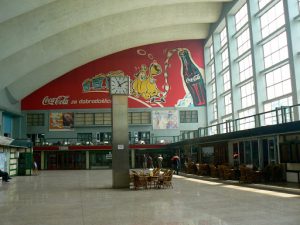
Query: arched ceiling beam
{"x":10,"y":8}
{"x":64,"y":64}
{"x":56,"y":46}
{"x":42,"y":40}
{"x":50,"y":19}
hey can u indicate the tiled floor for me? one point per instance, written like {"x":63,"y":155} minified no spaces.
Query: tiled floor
{"x":86,"y":198}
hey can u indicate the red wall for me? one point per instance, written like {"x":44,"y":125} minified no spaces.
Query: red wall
{"x":66,"y":92}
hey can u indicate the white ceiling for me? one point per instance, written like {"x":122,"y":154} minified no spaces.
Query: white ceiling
{"x":41,"y":40}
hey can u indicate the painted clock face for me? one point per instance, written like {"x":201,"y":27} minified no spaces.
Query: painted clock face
{"x":119,"y":85}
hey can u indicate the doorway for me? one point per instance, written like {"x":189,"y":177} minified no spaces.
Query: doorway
{"x":66,"y":160}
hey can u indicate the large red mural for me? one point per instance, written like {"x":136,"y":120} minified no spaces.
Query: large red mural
{"x":162,"y":75}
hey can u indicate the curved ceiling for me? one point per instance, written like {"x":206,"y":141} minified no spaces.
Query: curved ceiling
{"x":42,"y":40}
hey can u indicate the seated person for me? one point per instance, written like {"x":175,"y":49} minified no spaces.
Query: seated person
{"x":4,"y":176}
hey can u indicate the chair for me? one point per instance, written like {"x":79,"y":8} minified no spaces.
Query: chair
{"x":204,"y":169}
{"x":213,"y":170}
{"x":221,"y":171}
{"x":167,"y":181}
{"x":156,"y":171}
{"x":249,"y":175}
{"x":139,"y":181}
{"x":253,"y":176}
{"x":229,"y":173}
{"x":152,"y":181}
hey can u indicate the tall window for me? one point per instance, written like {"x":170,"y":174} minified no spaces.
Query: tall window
{"x":213,"y":129}
{"x":223,"y":36}
{"x":247,"y":95}
{"x":213,"y":90}
{"x":278,"y":82}
{"x":226,"y":81}
{"x":227,"y":124}
{"x":245,"y":68}
{"x":270,"y":118}
{"x":215,"y":111}
{"x":225,"y":60}
{"x":241,"y":17}
{"x":227,"y":102}
{"x":275,"y":50}
{"x":272,"y":19}
{"x":277,"y":103}
{"x":248,"y":120}
{"x":243,"y":42}
{"x":263,"y":3}
{"x":212,"y":71}
{"x":211,"y":51}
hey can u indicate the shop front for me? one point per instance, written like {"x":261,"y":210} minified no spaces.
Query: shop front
{"x":65,"y":160}
{"x":100,"y":159}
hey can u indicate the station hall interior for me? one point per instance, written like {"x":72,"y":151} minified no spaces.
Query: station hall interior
{"x":216,"y":82}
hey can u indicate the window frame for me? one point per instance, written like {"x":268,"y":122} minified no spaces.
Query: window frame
{"x":35,"y":119}
{"x":188,"y":116}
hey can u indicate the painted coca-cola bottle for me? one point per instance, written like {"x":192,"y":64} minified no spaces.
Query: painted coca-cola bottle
{"x":193,"y":78}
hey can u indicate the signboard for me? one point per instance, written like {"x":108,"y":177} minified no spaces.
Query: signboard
{"x":121,"y":147}
{"x":167,"y":119}
{"x":162,"y":75}
{"x":61,"y":121}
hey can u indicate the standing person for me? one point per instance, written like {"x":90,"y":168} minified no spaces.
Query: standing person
{"x":35,"y":168}
{"x":176,"y":163}
{"x":150,"y":161}
{"x":159,"y":161}
{"x":144,"y":161}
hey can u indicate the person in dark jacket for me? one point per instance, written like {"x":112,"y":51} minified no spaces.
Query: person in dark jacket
{"x":176,"y":163}
{"x":4,"y":176}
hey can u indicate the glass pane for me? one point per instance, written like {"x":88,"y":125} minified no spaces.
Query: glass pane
{"x":242,"y":153}
{"x":272,"y":19}
{"x":248,"y":154}
{"x":272,"y":152}
{"x":255,"y":156}
{"x":241,"y":17}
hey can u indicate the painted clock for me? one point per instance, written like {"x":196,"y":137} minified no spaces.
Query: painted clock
{"x":119,"y":85}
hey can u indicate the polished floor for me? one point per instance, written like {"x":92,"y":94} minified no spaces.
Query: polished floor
{"x":86,"y":198}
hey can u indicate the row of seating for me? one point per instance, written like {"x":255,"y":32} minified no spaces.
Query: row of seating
{"x":151,"y":179}
{"x":225,"y":172}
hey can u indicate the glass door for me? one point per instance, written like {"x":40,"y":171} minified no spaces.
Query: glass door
{"x":269,"y":151}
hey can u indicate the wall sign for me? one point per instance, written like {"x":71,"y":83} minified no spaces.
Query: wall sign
{"x":162,"y":75}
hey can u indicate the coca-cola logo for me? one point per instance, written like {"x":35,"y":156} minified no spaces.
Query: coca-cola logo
{"x":59,"y":100}
{"x":192,"y":79}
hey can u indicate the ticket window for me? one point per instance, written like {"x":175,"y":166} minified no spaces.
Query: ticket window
{"x":84,"y":138}
{"x":144,"y":137}
{"x":105,"y":137}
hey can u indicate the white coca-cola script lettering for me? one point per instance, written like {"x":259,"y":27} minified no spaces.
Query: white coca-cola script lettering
{"x":59,"y":100}
{"x":192,"y":79}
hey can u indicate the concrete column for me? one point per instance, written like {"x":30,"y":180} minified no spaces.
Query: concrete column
{"x":132,"y":158}
{"x":120,"y":152}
